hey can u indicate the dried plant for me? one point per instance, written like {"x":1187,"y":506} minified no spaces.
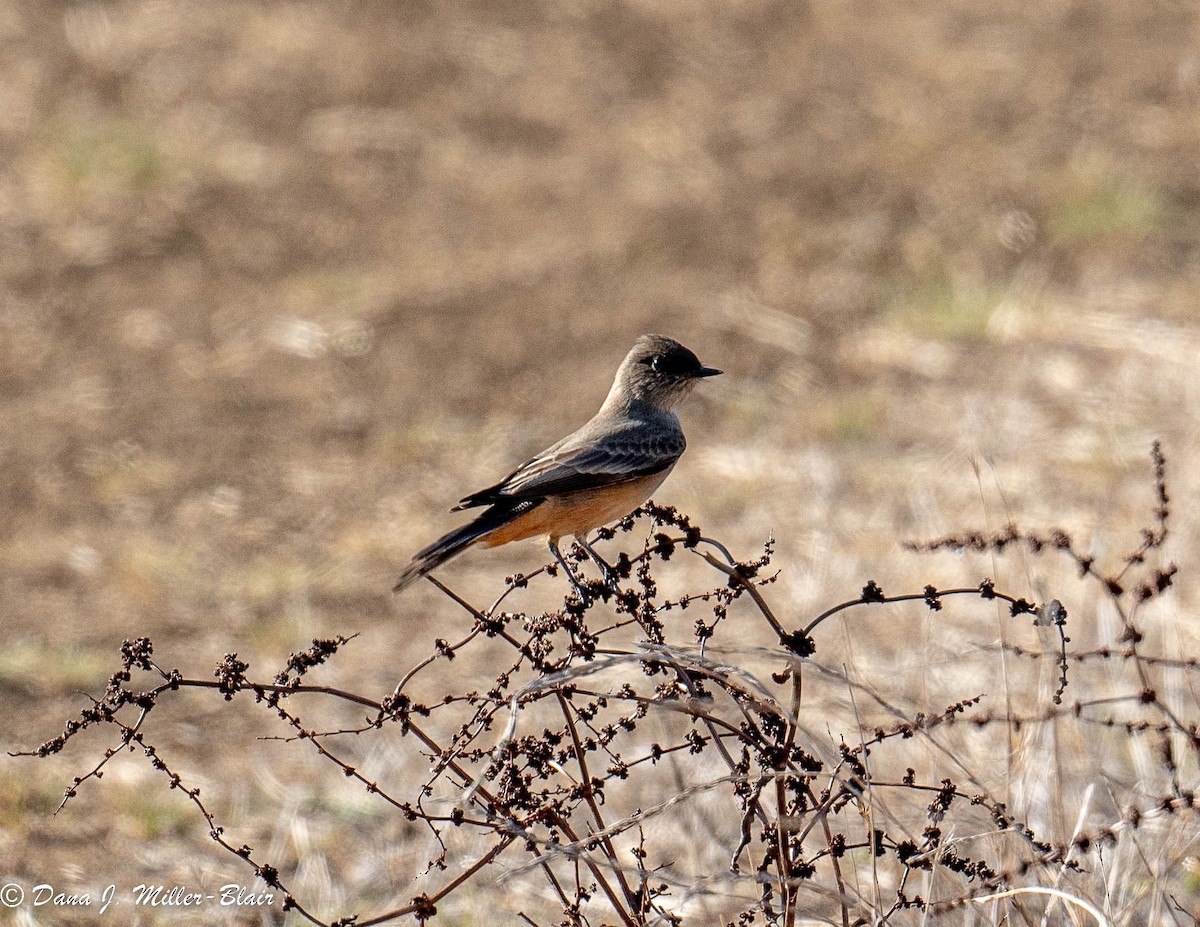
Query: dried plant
{"x":608,"y":717}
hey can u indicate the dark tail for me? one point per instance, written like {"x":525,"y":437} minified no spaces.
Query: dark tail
{"x":454,"y":543}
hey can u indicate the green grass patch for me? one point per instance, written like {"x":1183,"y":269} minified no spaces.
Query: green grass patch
{"x":852,"y":418}
{"x":156,"y":813}
{"x":942,"y":310}
{"x":23,"y":796}
{"x":1107,"y":210}
{"x":42,"y":667}
{"x":112,"y":157}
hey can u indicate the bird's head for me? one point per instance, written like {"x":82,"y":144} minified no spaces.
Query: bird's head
{"x":658,"y":371}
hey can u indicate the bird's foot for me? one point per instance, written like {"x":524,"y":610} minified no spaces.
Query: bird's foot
{"x":580,"y":600}
{"x":587,"y":592}
{"x":612,"y":582}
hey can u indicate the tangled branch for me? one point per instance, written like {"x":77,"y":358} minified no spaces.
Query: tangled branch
{"x":607,"y":718}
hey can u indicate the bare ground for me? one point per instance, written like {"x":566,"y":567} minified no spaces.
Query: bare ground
{"x":280,"y":281}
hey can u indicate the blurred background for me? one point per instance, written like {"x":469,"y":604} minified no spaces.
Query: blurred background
{"x":281,"y":281}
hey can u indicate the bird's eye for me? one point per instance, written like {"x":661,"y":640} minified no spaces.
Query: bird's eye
{"x":656,"y":363}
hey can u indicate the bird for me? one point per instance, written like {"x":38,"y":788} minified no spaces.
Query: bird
{"x":594,"y":476}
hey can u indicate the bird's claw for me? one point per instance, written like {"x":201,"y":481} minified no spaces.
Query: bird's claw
{"x":612,"y":582}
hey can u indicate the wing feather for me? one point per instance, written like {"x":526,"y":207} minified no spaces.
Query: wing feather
{"x":578,"y":466}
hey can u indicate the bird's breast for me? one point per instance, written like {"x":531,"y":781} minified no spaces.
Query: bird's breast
{"x":578,"y":512}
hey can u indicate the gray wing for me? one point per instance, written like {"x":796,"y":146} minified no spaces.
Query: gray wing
{"x":576,"y":464}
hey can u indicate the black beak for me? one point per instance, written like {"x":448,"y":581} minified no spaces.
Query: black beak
{"x":706,"y":372}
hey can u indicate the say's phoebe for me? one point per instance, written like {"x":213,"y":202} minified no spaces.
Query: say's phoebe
{"x":592,"y":477}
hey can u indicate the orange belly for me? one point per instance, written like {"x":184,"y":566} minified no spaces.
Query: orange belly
{"x":577,"y":513}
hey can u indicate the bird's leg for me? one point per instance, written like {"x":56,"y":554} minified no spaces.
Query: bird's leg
{"x":583,"y":594}
{"x":611,"y":580}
